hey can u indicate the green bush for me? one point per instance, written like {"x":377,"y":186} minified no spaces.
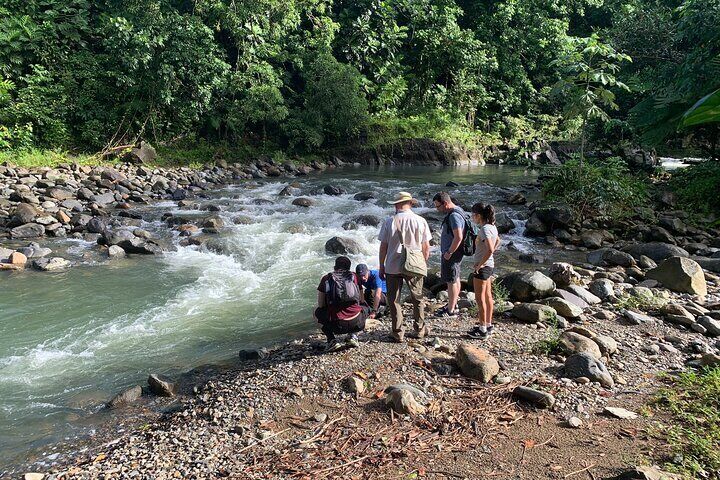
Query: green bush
{"x":599,"y":187}
{"x":697,"y":187}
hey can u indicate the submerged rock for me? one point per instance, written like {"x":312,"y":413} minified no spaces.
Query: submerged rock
{"x":125,"y":397}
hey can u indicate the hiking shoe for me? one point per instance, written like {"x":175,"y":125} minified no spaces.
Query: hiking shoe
{"x":477,"y":333}
{"x":444,"y":312}
{"x":333,"y":346}
{"x":421,"y":332}
{"x":489,"y":330}
{"x":352,"y":341}
{"x":397,"y":337}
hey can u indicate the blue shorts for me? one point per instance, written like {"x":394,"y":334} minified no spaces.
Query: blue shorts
{"x":450,"y":269}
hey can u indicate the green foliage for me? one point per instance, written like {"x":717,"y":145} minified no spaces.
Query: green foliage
{"x":643,"y":303}
{"x":551,"y":343}
{"x":693,"y":402}
{"x":589,"y":70}
{"x":696,"y":187}
{"x":600,"y":187}
{"x":706,"y":110}
{"x":500,"y":293}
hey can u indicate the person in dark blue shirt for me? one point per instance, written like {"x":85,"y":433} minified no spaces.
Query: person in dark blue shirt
{"x":374,"y":288}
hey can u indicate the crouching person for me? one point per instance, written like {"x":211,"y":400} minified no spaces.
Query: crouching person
{"x":339,"y":310}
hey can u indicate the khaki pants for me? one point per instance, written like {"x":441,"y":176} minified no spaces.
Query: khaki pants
{"x":394,"y":289}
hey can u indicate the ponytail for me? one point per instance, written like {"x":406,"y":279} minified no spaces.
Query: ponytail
{"x":487,"y":212}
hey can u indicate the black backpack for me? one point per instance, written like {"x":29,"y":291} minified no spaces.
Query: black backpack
{"x":468,"y":242}
{"x":341,"y":289}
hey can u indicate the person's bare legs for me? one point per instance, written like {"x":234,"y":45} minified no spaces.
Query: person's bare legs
{"x":453,"y":294}
{"x":489,"y":303}
{"x":479,"y":299}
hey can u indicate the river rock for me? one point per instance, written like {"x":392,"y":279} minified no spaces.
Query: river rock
{"x":51,"y":264}
{"x":333,"y":190}
{"x":289,"y":191}
{"x":5,"y":253}
{"x":562,"y":307}
{"x":368,"y":220}
{"x":657,"y":251}
{"x":584,"y":365}
{"x":594,"y":238}
{"x":103,"y":199}
{"x":303,"y":202}
{"x":342,"y":246}
{"x":711,"y":325}
{"x":571,"y":297}
{"x":608,"y":345}
{"x":584,"y":294}
{"x":533,"y":312}
{"x":113,"y":175}
{"x":24,"y":213}
{"x":17,"y":258}
{"x":602,"y":288}
{"x":530,"y":286}
{"x":572,"y":342}
{"x":534,"y":226}
{"x":139,"y":246}
{"x":536,"y":397}
{"x":637,"y":318}
{"x":680,"y":275}
{"x":516,"y":199}
{"x":403,"y":402}
{"x":125,"y":397}
{"x":59,"y":194}
{"x":115,"y":251}
{"x":563,"y":274}
{"x":97,"y":225}
{"x":364,"y":196}
{"x":161,"y":385}
{"x":213,"y":223}
{"x":504,"y":223}
{"x":29,"y":230}
{"x":611,"y":257}
{"x":141,"y":153}
{"x":476,"y":363}
{"x":710,"y":264}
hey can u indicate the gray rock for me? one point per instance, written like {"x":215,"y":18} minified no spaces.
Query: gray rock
{"x":24,"y":213}
{"x":620,"y":413}
{"x":536,"y":397}
{"x":342,"y":246}
{"x":680,"y":275}
{"x":403,"y":402}
{"x":355,"y":222}
{"x":29,"y":230}
{"x":657,"y":251}
{"x":571,"y":297}
{"x":572,"y":342}
{"x":103,"y":199}
{"x":364,"y":196}
{"x":711,"y":326}
{"x":637,"y":318}
{"x":584,"y":294}
{"x":504,"y":223}
{"x":562,"y":307}
{"x":584,"y":365}
{"x":354,"y":384}
{"x":533,"y":312}
{"x":608,"y":345}
{"x":115,"y":251}
{"x":51,"y":264}
{"x":602,"y":288}
{"x":125,"y":397}
{"x":647,"y":473}
{"x":531,"y":286}
{"x":611,"y":257}
{"x":161,"y":385}
{"x":476,"y":363}
{"x":303,"y":202}
{"x":97,"y":225}
{"x":563,"y":274}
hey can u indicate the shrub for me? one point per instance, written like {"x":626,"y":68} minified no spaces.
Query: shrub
{"x":697,"y":187}
{"x":599,"y":187}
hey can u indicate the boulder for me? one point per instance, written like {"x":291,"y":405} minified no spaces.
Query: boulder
{"x":368,"y":220}
{"x":571,"y":297}
{"x":5,"y":253}
{"x":364,"y":196}
{"x":611,"y":257}
{"x":342,"y":246}
{"x":333,"y":190}
{"x":531,"y":286}
{"x":657,"y":251}
{"x":103,"y":199}
{"x":710,"y":264}
{"x":680,"y":275}
{"x":17,"y":258}
{"x":534,"y":226}
{"x":303,"y":202}
{"x":139,"y":246}
{"x":59,"y":193}
{"x":608,"y":345}
{"x":161,"y":385}
{"x":536,"y":397}
{"x":533,"y":312}
{"x":113,"y":175}
{"x":504,"y":223}
{"x":711,"y":325}
{"x":572,"y":342}
{"x":29,"y":230}
{"x":24,"y":213}
{"x":584,"y":294}
{"x":214,"y":223}
{"x":516,"y":199}
{"x":592,"y":238}
{"x":141,"y":153}
{"x":125,"y":397}
{"x":563,"y":274}
{"x":563,"y":307}
{"x":602,"y":288}
{"x":584,"y":365}
{"x":51,"y":264}
{"x":115,"y":251}
{"x":476,"y":363}
{"x":97,"y":225}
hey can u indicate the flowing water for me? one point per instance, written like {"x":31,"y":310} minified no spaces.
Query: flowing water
{"x":70,"y":340}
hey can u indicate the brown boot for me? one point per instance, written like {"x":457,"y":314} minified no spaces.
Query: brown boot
{"x":422,"y":332}
{"x":397,"y":337}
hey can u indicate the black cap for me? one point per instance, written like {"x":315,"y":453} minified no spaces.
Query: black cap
{"x":361,"y":270}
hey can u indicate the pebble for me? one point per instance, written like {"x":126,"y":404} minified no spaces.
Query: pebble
{"x":574,"y":422}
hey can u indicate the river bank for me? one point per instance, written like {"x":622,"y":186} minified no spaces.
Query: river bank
{"x":259,"y":204}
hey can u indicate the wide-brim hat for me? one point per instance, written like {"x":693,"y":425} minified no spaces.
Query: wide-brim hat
{"x":401,"y":197}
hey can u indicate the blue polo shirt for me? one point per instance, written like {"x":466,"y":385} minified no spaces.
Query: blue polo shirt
{"x":374,"y":282}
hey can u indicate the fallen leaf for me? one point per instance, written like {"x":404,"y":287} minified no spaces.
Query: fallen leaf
{"x":529,"y":443}
{"x":100,"y":458}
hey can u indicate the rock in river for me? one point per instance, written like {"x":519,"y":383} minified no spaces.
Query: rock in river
{"x":161,"y":385}
{"x":342,"y":246}
{"x":125,"y":397}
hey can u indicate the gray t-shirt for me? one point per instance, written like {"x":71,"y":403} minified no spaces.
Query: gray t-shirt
{"x":487,"y":234}
{"x":456,"y":219}
{"x":415,"y":231}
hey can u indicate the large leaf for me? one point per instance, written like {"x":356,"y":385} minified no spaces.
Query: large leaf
{"x":706,"y":110}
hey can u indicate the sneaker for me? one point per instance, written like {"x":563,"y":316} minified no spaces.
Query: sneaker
{"x":421,"y":332}
{"x":397,"y":337}
{"x":444,"y":312}
{"x":352,"y":341}
{"x":333,"y":346}
{"x":489,"y":330}
{"x":477,"y":333}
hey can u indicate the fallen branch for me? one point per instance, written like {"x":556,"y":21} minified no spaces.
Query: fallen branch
{"x":579,"y":471}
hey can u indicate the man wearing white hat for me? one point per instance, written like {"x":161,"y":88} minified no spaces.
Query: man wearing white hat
{"x":404,"y":250}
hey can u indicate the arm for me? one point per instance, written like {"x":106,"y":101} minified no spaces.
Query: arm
{"x":382,"y":255}
{"x":376,"y":299}
{"x":492,"y":246}
{"x":426,"y":250}
{"x":320,"y":299}
{"x":457,"y":239}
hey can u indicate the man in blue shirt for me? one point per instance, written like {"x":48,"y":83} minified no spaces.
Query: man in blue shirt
{"x":374,"y":288}
{"x":451,"y":236}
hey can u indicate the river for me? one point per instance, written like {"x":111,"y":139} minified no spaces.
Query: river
{"x":70,"y":340}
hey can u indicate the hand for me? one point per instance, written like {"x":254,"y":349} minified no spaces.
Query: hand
{"x":372,"y":315}
{"x":447,"y":256}
{"x":477,"y":267}
{"x":381,"y":272}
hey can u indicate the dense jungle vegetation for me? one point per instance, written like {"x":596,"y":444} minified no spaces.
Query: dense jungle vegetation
{"x":306,"y":75}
